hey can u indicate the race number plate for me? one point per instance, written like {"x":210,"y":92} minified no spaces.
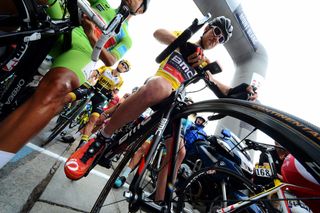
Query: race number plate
{"x":263,"y":171}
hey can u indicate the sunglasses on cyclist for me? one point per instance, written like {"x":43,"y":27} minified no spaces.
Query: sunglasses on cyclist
{"x":218,"y":33}
{"x":125,"y":65}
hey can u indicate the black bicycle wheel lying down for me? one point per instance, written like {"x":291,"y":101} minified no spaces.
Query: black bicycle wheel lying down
{"x":299,"y":137}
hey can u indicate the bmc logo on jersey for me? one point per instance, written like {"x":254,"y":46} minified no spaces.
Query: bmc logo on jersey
{"x":187,"y":71}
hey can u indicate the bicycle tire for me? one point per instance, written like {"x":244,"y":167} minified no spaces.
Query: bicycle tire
{"x":299,"y":137}
{"x":208,"y":176}
{"x":65,"y":121}
{"x":129,"y":154}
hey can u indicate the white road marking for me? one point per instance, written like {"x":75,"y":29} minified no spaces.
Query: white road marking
{"x":60,"y":158}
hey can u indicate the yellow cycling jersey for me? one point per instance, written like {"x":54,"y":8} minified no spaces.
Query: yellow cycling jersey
{"x":174,"y":68}
{"x":107,"y":80}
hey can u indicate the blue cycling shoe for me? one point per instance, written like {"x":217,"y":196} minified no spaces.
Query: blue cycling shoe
{"x":119,"y":182}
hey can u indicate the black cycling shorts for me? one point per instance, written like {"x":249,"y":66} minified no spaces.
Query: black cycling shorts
{"x":98,"y":102}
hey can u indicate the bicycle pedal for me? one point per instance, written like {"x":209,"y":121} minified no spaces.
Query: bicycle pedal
{"x":128,"y":195}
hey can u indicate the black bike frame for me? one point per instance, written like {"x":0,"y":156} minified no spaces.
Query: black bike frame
{"x":139,"y":133}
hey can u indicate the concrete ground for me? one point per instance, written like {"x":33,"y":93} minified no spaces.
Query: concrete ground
{"x":34,"y":181}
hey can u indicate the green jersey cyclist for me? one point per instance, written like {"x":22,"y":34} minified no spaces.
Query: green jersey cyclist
{"x":64,"y":76}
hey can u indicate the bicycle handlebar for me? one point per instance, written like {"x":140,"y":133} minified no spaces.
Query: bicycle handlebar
{"x":108,"y":30}
{"x":184,"y":37}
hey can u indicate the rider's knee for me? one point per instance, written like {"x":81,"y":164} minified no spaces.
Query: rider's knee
{"x":94,"y":117}
{"x":56,"y":85}
{"x":157,"y":89}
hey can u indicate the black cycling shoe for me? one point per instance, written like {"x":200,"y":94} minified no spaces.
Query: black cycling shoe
{"x":67,"y":139}
{"x":104,"y":162}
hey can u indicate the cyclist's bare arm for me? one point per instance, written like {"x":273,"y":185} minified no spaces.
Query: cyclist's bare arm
{"x":222,"y":87}
{"x":88,"y":26}
{"x":164,"y":36}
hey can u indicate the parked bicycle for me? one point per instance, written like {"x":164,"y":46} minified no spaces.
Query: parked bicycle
{"x":301,"y":138}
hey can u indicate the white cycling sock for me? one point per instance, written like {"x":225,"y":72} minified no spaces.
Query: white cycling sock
{"x":126,"y":172}
{"x":5,"y":157}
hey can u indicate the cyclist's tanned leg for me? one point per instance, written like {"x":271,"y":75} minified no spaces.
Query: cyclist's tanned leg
{"x":35,"y":113}
{"x":155,"y":90}
{"x":87,"y":130}
{"x":163,"y":174}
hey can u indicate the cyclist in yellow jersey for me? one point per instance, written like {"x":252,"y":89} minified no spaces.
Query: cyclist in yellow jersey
{"x":155,"y":90}
{"x":109,"y":80}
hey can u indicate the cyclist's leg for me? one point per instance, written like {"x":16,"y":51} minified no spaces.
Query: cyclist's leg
{"x":139,"y":154}
{"x":153,"y":92}
{"x":35,"y":113}
{"x":132,"y":164}
{"x":163,"y":174}
{"x":156,"y":90}
{"x":97,"y":109}
{"x":77,"y":94}
{"x":49,"y":98}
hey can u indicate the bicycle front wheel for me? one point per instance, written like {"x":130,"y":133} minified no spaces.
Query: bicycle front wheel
{"x":299,"y":137}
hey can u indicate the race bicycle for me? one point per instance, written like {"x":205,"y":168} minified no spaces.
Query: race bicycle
{"x":299,"y":137}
